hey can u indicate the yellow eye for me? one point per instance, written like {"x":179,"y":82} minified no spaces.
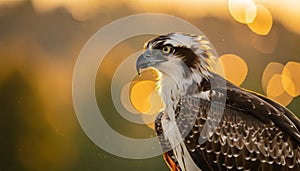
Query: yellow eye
{"x":167,"y":49}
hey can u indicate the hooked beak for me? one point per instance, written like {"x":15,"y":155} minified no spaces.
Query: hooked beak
{"x":146,"y":60}
{"x":141,"y":63}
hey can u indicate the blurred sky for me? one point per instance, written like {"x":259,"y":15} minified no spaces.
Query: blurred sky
{"x":40,"y":41}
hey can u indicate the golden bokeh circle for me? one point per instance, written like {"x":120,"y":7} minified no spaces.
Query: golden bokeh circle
{"x":235,"y":68}
{"x":291,"y":81}
{"x":243,"y":11}
{"x":263,"y":21}
{"x":275,"y":90}
{"x":271,"y":69}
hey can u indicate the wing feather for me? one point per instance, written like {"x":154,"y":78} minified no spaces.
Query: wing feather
{"x":254,"y":133}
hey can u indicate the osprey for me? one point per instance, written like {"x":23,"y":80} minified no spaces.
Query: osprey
{"x":207,"y":122}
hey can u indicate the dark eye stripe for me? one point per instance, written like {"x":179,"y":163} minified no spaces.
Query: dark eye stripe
{"x":188,"y":56}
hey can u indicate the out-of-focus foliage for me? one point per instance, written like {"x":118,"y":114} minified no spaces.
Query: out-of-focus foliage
{"x":39,"y":45}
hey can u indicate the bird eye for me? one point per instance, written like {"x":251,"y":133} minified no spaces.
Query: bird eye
{"x":167,"y":49}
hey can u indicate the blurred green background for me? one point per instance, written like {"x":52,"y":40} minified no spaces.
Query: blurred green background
{"x":39,"y":45}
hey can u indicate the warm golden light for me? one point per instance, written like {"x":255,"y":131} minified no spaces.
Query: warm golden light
{"x":80,"y":9}
{"x":275,"y":87}
{"x":144,"y":95}
{"x":286,"y":12}
{"x":42,"y":41}
{"x":288,"y":85}
{"x":235,"y":68}
{"x":263,"y":21}
{"x":243,"y":11}
{"x":271,"y":69}
{"x":145,"y":98}
{"x":291,"y":81}
{"x":49,"y":5}
{"x":125,"y":99}
{"x":140,"y":93}
{"x":276,"y":91}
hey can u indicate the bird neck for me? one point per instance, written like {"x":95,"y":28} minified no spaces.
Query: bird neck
{"x":174,"y":87}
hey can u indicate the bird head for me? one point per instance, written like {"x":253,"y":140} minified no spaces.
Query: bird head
{"x":178,"y":53}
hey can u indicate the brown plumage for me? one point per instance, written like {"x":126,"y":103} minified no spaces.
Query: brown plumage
{"x":241,"y":141}
{"x":209,"y":123}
